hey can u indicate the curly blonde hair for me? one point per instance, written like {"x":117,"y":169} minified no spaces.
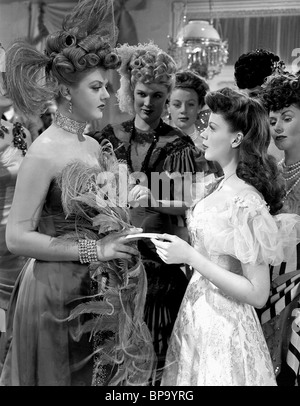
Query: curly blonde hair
{"x":145,"y":63}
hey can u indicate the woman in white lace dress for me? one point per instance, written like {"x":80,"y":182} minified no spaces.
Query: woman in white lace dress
{"x":235,"y":232}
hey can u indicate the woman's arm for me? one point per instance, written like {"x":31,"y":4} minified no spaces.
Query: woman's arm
{"x":34,"y":178}
{"x":252,"y":287}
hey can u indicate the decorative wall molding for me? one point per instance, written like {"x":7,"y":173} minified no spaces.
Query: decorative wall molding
{"x":218,"y":9}
{"x":234,"y":9}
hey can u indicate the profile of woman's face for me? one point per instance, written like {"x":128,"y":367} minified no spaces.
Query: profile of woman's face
{"x":285,"y":128}
{"x":149,"y":101}
{"x":89,"y":96}
{"x":184,"y":107}
{"x":217,"y":140}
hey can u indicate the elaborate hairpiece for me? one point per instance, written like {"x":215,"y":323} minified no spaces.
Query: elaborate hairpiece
{"x":85,"y":42}
{"x":146,"y":63}
{"x":281,"y":91}
{"x":188,"y":79}
{"x":91,"y":17}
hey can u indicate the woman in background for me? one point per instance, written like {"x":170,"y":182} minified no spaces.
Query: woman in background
{"x":154,"y":150}
{"x":281,"y":95}
{"x":251,"y":71}
{"x":186,"y":103}
{"x":14,"y":142}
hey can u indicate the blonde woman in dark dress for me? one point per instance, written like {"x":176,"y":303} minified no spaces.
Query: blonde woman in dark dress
{"x":153,"y":148}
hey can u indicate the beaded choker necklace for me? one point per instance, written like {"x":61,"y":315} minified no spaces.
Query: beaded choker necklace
{"x":135,"y":136}
{"x":67,"y":124}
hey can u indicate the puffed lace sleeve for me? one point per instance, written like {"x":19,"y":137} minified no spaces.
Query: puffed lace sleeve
{"x":247,"y":231}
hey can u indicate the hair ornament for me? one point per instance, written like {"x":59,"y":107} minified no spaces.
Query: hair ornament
{"x":278,"y":67}
{"x":85,"y":19}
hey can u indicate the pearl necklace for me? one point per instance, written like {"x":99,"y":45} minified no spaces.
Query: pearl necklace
{"x":296,"y":173}
{"x":287,"y":169}
{"x":291,"y":188}
{"x":67,"y":124}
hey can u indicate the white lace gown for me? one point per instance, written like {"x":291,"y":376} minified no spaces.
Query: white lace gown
{"x":217,"y":340}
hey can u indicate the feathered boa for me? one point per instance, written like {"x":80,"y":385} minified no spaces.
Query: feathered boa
{"x":123,"y":350}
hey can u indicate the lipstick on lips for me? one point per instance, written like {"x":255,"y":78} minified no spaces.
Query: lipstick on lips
{"x":280,"y":137}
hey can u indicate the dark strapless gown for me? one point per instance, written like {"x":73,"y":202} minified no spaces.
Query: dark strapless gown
{"x":43,"y":350}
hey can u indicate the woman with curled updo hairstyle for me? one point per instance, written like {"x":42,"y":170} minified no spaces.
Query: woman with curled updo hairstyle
{"x":281,"y":91}
{"x":255,"y":166}
{"x":281,"y":97}
{"x":187,"y":108}
{"x":191,"y":80}
{"x":69,"y":54}
{"x":154,"y":149}
{"x":145,"y":63}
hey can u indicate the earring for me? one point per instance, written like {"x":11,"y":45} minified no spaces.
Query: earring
{"x":70,"y":107}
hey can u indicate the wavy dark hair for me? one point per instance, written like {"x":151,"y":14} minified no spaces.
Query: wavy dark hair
{"x":84,"y":43}
{"x":281,"y":91}
{"x":256,"y":166}
{"x":252,"y":68}
{"x":188,"y":79}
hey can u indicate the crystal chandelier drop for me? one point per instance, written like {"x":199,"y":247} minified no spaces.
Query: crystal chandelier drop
{"x":198,"y":46}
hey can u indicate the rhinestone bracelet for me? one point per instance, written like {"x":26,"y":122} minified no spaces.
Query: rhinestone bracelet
{"x":87,"y":250}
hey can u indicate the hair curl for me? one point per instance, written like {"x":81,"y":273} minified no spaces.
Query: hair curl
{"x":145,"y":63}
{"x":33,"y":77}
{"x":188,"y":79}
{"x":251,"y":69}
{"x":67,"y":61}
{"x":256,"y":167}
{"x":281,"y":91}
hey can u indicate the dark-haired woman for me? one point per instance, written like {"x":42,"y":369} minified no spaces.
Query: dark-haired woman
{"x":217,"y":338}
{"x":251,"y":70}
{"x":186,"y":104}
{"x":281,"y":95}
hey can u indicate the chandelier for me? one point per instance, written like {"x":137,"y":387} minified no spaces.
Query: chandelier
{"x":2,"y":59}
{"x":198,"y":46}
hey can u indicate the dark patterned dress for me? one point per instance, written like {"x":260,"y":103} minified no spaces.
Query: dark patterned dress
{"x":165,"y":150}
